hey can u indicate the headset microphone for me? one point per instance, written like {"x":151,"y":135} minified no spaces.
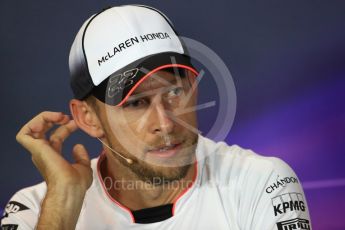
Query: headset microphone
{"x":129,"y":161}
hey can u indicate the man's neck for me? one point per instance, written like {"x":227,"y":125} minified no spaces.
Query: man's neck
{"x":125,"y":187}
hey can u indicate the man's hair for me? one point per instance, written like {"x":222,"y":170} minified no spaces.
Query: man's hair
{"x":92,"y":102}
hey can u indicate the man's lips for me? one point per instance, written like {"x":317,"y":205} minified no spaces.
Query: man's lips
{"x":165,"y":150}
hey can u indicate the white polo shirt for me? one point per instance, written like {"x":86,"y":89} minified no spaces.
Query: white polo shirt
{"x":233,"y":188}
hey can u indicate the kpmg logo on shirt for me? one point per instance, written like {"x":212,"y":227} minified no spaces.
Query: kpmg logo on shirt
{"x":296,"y":224}
{"x":288,"y":202}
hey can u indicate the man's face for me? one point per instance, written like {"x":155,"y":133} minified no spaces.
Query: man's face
{"x":156,"y":127}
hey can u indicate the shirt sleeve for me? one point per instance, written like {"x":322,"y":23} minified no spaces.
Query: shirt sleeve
{"x":21,"y":212}
{"x":277,"y":200}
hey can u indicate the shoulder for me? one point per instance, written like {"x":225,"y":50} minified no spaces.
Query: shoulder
{"x":24,"y":207}
{"x":233,"y":162}
{"x":262,"y":192}
{"x":30,"y":196}
{"x":244,"y":170}
{"x":33,"y":195}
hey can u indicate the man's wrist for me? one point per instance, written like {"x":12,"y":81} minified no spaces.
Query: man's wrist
{"x":61,"y":207}
{"x":66,"y":189}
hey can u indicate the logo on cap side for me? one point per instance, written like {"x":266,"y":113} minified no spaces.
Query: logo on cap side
{"x":120,"y":81}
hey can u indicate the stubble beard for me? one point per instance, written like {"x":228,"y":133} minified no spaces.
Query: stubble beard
{"x":161,"y":175}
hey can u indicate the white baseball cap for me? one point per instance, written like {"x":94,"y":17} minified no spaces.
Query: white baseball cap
{"x":116,"y":49}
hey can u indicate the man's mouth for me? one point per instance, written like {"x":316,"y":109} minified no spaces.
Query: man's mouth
{"x":165,"y":150}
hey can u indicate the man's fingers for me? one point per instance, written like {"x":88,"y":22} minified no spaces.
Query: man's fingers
{"x":55,"y":117}
{"x":60,"y":134}
{"x":45,"y":120}
{"x":39,"y":125}
{"x":80,"y":155}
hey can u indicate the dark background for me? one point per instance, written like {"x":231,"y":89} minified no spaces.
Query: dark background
{"x":287,"y":59}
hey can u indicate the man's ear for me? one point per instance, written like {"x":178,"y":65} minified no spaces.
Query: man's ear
{"x":86,"y":118}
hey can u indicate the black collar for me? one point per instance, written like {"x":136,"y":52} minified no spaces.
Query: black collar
{"x":153,"y":214}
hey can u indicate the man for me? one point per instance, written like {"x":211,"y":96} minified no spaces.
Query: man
{"x":134,"y":86}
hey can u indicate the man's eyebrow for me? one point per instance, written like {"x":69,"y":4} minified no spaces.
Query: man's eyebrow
{"x":164,"y":81}
{"x":136,"y":95}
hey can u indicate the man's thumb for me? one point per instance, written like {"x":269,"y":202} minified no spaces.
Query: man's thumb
{"x":80,"y":155}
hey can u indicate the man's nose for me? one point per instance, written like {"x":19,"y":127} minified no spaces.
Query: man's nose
{"x":162,"y":120}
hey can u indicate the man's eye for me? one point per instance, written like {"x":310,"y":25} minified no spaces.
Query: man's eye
{"x":134,"y":103}
{"x":177,"y":91}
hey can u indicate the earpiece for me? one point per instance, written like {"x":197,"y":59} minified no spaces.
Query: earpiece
{"x":129,"y":161}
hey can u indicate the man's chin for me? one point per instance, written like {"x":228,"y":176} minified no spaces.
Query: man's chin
{"x":160,"y":175}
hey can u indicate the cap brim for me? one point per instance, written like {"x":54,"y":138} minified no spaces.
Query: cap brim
{"x":116,"y":89}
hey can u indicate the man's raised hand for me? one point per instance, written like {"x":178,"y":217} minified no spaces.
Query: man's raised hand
{"x":46,"y":151}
